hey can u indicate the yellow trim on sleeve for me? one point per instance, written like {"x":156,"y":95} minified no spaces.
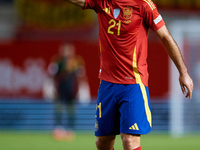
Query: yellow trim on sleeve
{"x":150,"y":3}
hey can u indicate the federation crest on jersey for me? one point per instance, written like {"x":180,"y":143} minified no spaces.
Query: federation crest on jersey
{"x":127,"y":12}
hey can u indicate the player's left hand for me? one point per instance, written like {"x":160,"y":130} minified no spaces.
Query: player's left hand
{"x":186,"y":83}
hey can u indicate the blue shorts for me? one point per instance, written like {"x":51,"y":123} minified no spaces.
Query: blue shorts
{"x":122,"y":108}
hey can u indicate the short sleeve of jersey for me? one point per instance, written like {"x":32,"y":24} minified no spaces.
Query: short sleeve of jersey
{"x":151,"y":15}
{"x":90,"y":4}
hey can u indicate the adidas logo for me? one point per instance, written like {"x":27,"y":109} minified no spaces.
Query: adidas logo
{"x":134,"y":127}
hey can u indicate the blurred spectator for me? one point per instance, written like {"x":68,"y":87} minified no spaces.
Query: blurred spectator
{"x":69,"y":83}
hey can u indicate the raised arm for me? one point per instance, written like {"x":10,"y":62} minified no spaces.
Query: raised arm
{"x":80,"y":3}
{"x":175,"y":54}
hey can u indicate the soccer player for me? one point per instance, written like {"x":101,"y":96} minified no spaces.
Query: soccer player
{"x":67,"y":72}
{"x":123,"y":105}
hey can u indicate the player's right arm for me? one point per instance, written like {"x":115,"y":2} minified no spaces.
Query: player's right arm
{"x":80,"y":3}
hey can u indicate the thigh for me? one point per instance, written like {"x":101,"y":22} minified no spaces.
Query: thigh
{"x":135,"y":110}
{"x":107,"y":111}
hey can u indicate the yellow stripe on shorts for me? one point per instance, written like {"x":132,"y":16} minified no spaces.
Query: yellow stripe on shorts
{"x":143,"y":89}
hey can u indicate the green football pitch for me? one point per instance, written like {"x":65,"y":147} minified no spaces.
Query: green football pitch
{"x":86,"y":141}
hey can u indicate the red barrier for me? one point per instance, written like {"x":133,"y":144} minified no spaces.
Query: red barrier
{"x":23,"y":66}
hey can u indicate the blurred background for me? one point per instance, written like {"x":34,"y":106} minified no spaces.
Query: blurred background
{"x":32,"y":36}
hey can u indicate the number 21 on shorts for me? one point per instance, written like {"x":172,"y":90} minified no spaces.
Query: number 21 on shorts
{"x":98,"y":107}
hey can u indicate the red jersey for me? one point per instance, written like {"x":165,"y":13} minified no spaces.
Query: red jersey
{"x":123,"y":32}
